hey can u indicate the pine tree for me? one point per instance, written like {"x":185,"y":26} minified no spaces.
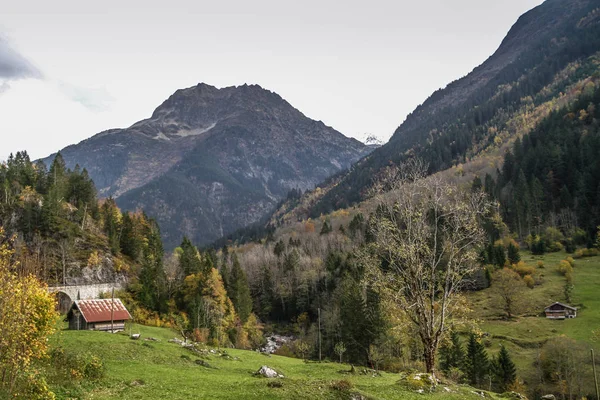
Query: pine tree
{"x":266,"y":295}
{"x":326,"y":228}
{"x":451,"y":353}
{"x":240,"y":291}
{"x":505,"y":372}
{"x":279,"y":248}
{"x":476,"y":362}
{"x":513,"y":253}
{"x":189,"y":260}
{"x":152,"y":274}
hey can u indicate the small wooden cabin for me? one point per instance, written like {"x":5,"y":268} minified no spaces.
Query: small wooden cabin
{"x":96,"y":315}
{"x":560,"y":311}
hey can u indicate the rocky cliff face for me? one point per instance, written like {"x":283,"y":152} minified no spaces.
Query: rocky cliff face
{"x":209,"y":161}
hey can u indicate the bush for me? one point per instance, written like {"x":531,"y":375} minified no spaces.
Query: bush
{"x":529,"y":281}
{"x":553,"y":235}
{"x":555,"y":246}
{"x":68,"y":365}
{"x":581,"y":253}
{"x":578,"y":236}
{"x":523,"y":269}
{"x":94,"y":369}
{"x":570,"y":261}
{"x":540,"y":264}
{"x":564,"y":268}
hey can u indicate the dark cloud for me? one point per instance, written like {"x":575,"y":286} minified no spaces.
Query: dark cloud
{"x":13,"y":65}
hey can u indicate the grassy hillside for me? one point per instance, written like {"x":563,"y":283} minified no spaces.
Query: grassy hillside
{"x":155,"y":369}
{"x":526,"y":334}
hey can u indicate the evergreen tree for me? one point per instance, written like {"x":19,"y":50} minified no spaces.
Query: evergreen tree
{"x":240,"y":291}
{"x":326,"y":228}
{"x":476,"y":362}
{"x":131,"y":239}
{"x":451,"y":353}
{"x":476,"y":185}
{"x":279,"y":248}
{"x":112,"y":224}
{"x":505,"y":372}
{"x":513,"y":253}
{"x":189,"y":260}
{"x":265,"y":295}
{"x":152,"y":274}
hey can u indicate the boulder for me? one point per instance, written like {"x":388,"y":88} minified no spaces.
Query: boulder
{"x":548,"y":397}
{"x":268,"y":372}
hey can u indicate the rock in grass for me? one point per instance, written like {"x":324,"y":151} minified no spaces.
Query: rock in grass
{"x":204,"y":364}
{"x":268,"y":372}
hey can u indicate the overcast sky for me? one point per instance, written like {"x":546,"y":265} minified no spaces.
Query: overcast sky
{"x":70,"y":69}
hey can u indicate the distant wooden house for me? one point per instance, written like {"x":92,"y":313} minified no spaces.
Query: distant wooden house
{"x":560,"y":311}
{"x":96,"y":315}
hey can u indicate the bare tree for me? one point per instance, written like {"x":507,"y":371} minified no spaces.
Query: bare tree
{"x":425,"y":240}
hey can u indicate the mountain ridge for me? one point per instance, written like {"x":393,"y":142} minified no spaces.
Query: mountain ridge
{"x":227,"y":156}
{"x":473,"y":113}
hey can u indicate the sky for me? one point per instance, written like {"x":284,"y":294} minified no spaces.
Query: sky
{"x":70,"y":69}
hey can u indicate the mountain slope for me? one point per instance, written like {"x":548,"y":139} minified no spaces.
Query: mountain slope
{"x":535,"y":64}
{"x":209,"y":161}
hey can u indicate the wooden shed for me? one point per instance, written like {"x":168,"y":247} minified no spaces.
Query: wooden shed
{"x":97,"y":315}
{"x":560,"y":311}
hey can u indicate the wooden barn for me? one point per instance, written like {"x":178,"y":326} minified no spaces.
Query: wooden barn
{"x":560,"y":311}
{"x":97,"y":314}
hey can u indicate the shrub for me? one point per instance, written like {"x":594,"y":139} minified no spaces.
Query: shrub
{"x":578,"y":236}
{"x":585,"y":253}
{"x":523,"y":269}
{"x":553,"y":235}
{"x":94,"y":369}
{"x":555,"y":246}
{"x":570,"y":261}
{"x":540,"y":264}
{"x":529,"y":281}
{"x":564,"y":268}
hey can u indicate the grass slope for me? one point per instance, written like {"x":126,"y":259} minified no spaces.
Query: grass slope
{"x":152,"y":370}
{"x":524,"y":335}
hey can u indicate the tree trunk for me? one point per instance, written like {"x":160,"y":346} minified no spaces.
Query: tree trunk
{"x":429,"y":356}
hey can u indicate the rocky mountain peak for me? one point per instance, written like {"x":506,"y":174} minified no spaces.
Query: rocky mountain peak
{"x":211,"y":160}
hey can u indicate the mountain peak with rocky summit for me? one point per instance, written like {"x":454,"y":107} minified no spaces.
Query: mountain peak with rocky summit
{"x":209,"y":161}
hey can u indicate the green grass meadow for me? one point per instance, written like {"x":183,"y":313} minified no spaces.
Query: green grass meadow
{"x":139,"y":369}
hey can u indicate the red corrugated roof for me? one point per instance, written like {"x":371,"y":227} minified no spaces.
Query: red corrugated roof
{"x":99,"y":310}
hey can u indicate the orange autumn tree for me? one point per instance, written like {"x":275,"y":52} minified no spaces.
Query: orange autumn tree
{"x":27,"y":318}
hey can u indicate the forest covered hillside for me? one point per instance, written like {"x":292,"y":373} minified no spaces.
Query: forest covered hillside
{"x":547,"y":56}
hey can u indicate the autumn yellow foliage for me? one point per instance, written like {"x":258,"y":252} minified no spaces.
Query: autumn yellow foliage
{"x":27,"y":318}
